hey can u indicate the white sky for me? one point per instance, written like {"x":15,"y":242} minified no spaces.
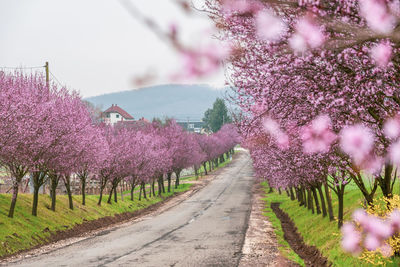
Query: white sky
{"x":94,"y":46}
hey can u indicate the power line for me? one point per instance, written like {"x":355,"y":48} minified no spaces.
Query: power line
{"x":55,"y":78}
{"x":20,"y":68}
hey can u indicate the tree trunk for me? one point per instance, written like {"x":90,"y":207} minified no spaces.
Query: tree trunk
{"x":341,"y":205}
{"x":196,"y":172}
{"x":35,"y":199}
{"x":177,"y":173}
{"x":329,"y":202}
{"x":152,"y":188}
{"x":309,"y":201}
{"x":287,"y":192}
{"x":159,"y":181}
{"x":13,"y":199}
{"x":54,"y":179}
{"x":271,"y":190}
{"x":279,"y":190}
{"x":321,"y":196}
{"x":205,"y":167}
{"x":110,"y":194}
{"x":67,"y":182}
{"x":292,"y":196}
{"x":169,"y":181}
{"x":83,"y":188}
{"x":385,"y":181}
{"x":132,"y":190}
{"x":300,"y":196}
{"x":38,"y":178}
{"x":115,"y":193}
{"x":144,"y":190}
{"x":101,"y":196}
{"x":304,"y":192}
{"x":315,"y":196}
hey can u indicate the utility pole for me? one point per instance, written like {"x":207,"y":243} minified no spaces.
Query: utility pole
{"x":46,"y":66}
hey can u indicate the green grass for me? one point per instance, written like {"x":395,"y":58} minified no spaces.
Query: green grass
{"x":319,"y":231}
{"x":283,"y":247}
{"x":25,"y":231}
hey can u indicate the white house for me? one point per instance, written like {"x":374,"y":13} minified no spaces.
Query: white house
{"x":115,"y":114}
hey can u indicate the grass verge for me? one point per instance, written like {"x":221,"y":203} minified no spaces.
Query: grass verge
{"x":283,"y":246}
{"x":25,"y":231}
{"x":319,"y":231}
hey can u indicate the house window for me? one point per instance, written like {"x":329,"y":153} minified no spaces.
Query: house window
{"x":108,"y":115}
{"x":117,"y":116}
{"x":191,"y":126}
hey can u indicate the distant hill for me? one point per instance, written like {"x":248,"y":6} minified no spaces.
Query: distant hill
{"x":178,"y":101}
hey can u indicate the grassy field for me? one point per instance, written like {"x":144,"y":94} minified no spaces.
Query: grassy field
{"x":25,"y":231}
{"x":319,"y":231}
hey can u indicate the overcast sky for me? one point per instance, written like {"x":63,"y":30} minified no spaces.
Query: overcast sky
{"x":94,"y":46}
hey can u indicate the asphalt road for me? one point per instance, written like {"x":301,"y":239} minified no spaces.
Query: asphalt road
{"x":206,"y":229}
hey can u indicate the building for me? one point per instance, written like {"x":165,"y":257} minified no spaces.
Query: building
{"x":192,"y":126}
{"x":116,"y":114}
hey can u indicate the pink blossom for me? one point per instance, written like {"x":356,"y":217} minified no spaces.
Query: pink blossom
{"x":282,"y":140}
{"x":318,"y":136}
{"x":308,"y":34}
{"x":360,"y":216}
{"x":371,"y":242}
{"x":351,"y":238}
{"x":394,"y":153}
{"x":269,"y":27}
{"x":203,"y":61}
{"x":377,"y":16}
{"x":381,"y":54}
{"x":392,"y":128}
{"x":378,"y":227}
{"x":239,"y":6}
{"x":386,"y":250}
{"x":372,"y":164}
{"x":357,"y":141}
{"x":270,"y":126}
{"x":394,"y":220}
{"x":298,"y":43}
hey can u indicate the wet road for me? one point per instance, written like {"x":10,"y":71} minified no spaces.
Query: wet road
{"x":206,"y":229}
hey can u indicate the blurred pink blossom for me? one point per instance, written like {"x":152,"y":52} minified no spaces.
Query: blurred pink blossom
{"x":394,"y":153}
{"x":372,"y":242}
{"x":239,"y":6}
{"x":394,"y":220}
{"x":377,"y":16}
{"x":360,"y":216}
{"x":392,"y":128}
{"x":307,"y":35}
{"x":357,"y":141}
{"x":270,"y":126}
{"x":282,"y":140}
{"x":351,"y":238}
{"x":268,"y":26}
{"x":381,"y":54}
{"x":386,"y":250}
{"x":318,"y":136}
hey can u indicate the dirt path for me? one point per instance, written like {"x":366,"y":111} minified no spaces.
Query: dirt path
{"x":205,"y":229}
{"x":310,"y":254}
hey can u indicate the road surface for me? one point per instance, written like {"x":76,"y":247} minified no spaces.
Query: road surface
{"x":206,"y":229}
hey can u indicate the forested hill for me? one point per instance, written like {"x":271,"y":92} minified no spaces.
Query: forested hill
{"x":178,"y":101}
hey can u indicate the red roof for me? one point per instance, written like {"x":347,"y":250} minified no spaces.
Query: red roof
{"x":115,"y":108}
